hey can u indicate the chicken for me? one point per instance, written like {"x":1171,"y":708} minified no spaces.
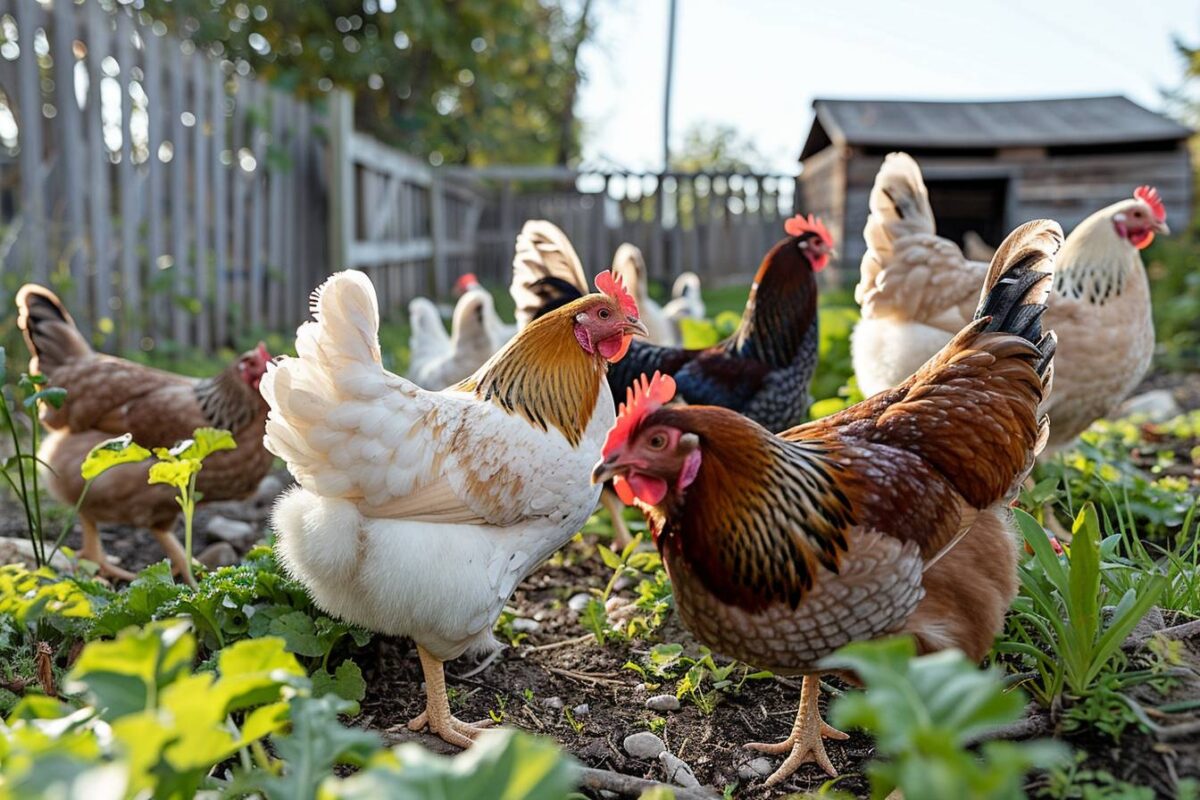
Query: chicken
{"x":418,"y":512}
{"x":499,"y":330}
{"x":436,"y":360}
{"x":891,"y":516}
{"x":975,"y":248}
{"x":630,"y":265}
{"x":686,"y":302}
{"x":109,"y":396}
{"x":762,"y":370}
{"x":917,"y":290}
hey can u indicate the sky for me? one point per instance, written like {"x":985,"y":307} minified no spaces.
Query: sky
{"x":758,"y":64}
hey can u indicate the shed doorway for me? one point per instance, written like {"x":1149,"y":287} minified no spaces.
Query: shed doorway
{"x":973,"y":204}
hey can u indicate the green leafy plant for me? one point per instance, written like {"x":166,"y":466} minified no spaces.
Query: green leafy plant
{"x":924,"y":711}
{"x":701,"y":680}
{"x":178,"y":467}
{"x":1057,"y":625}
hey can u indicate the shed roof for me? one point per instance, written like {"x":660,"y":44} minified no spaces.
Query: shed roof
{"x":1015,"y":123}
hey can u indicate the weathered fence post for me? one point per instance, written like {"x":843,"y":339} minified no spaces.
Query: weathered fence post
{"x":33,"y":189}
{"x":341,"y":183}
{"x":437,"y":225}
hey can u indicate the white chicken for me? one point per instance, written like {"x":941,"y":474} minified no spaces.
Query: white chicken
{"x":437,"y":360}
{"x":418,"y":512}
{"x":686,"y":302}
{"x":498,"y":329}
{"x":630,"y":265}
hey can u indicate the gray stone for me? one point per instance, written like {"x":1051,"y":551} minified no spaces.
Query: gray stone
{"x":523,"y":625}
{"x":218,"y":555}
{"x":268,"y":489}
{"x":1158,"y":405}
{"x":663,"y":702}
{"x":678,"y":771}
{"x":581,"y":710}
{"x":644,"y":745}
{"x":554,"y":703}
{"x":578,"y":602}
{"x":755,"y":770}
{"x":14,"y":550}
{"x":234,"y":531}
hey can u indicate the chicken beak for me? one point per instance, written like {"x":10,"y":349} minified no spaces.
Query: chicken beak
{"x":1161,"y":227}
{"x":607,"y":469}
{"x":636,"y":326}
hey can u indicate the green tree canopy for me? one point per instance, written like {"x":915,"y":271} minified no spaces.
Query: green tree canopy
{"x":462,"y":81}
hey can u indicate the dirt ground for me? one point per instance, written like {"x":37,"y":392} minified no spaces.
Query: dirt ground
{"x":558,"y":668}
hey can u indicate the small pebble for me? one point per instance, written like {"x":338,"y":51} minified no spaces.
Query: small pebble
{"x":578,"y":602}
{"x":523,"y":625}
{"x":234,"y":531}
{"x":644,"y":745}
{"x":678,"y":771}
{"x":581,"y":710}
{"x":218,"y":555}
{"x":663,"y":702}
{"x":268,"y":489}
{"x":555,"y":703}
{"x":755,"y":770}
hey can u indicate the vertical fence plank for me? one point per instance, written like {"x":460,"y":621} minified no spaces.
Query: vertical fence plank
{"x":131,"y":282}
{"x":71,"y":173}
{"x":275,"y":214}
{"x":99,"y":208}
{"x":200,"y":198}
{"x":33,"y":188}
{"x":238,"y":262}
{"x":155,"y":118}
{"x":258,"y":204}
{"x":291,"y":292}
{"x":220,"y":207}
{"x":180,"y":284}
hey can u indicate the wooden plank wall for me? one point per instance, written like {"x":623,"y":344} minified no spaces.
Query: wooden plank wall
{"x":1066,"y":188}
{"x":181,"y":204}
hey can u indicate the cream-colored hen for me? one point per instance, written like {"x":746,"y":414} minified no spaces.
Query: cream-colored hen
{"x":917,"y":289}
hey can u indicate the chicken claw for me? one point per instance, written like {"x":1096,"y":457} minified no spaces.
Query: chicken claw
{"x":437,"y":714}
{"x":805,"y":743}
{"x":93,"y":550}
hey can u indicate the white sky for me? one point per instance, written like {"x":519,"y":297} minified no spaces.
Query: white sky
{"x":757,"y":64}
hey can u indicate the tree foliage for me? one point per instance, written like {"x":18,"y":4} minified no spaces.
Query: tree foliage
{"x":717,"y":147}
{"x":461,"y":81}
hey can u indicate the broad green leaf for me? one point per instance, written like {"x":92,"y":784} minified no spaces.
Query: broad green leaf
{"x":1083,"y":598}
{"x":52,"y":396}
{"x":346,"y":682}
{"x":610,"y":559}
{"x":253,"y":671}
{"x":142,"y":738}
{"x":124,"y":676}
{"x":174,"y":473}
{"x":110,"y":453}
{"x":299,"y":632}
{"x":197,"y":709}
{"x":205,"y":442}
{"x":264,"y":721}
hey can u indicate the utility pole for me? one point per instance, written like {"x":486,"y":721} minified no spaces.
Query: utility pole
{"x":667,"y":89}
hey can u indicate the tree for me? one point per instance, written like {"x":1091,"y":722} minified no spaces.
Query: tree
{"x":717,"y":147}
{"x":461,"y":81}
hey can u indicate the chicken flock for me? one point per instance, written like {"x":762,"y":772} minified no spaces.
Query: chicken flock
{"x":422,"y":501}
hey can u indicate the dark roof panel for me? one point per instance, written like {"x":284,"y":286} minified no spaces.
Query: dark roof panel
{"x":1018,"y":123}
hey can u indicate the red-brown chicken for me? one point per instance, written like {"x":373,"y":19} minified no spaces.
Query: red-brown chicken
{"x":890,"y":516}
{"x":109,"y":396}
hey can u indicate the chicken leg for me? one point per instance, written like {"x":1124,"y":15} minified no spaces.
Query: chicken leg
{"x":93,"y":550}
{"x":437,"y":707}
{"x":613,"y":505}
{"x":175,"y":552}
{"x":805,"y":742}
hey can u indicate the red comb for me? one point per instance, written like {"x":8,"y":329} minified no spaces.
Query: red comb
{"x":800,"y":225}
{"x":1149,"y":196}
{"x":262,"y":351}
{"x":612,"y":286}
{"x":644,"y":397}
{"x":465,"y":282}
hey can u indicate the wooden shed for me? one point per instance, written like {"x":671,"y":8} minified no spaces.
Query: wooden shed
{"x":990,"y":166}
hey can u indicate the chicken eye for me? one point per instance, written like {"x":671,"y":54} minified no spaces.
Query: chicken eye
{"x":603,"y":313}
{"x":658,"y":441}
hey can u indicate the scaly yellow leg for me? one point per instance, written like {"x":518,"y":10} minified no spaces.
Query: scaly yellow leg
{"x":93,"y":550}
{"x":437,"y":707}
{"x":805,"y":744}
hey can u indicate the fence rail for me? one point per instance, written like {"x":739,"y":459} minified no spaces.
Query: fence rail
{"x":177,"y":201}
{"x":175,"y":198}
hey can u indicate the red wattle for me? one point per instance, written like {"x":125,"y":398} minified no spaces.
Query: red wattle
{"x":623,"y":489}
{"x":649,"y":490}
{"x":614,"y":348}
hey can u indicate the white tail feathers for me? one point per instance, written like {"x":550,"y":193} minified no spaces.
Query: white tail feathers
{"x":546,"y":271}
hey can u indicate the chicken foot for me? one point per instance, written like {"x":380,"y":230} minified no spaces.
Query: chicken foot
{"x":437,"y":707}
{"x":93,"y":550}
{"x":807,"y":732}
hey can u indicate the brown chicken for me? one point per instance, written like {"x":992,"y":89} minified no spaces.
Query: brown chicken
{"x":109,"y":396}
{"x":891,"y":516}
{"x":917,"y":290}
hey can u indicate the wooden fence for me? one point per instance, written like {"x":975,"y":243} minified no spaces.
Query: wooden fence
{"x":170,"y":197}
{"x":718,"y":225}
